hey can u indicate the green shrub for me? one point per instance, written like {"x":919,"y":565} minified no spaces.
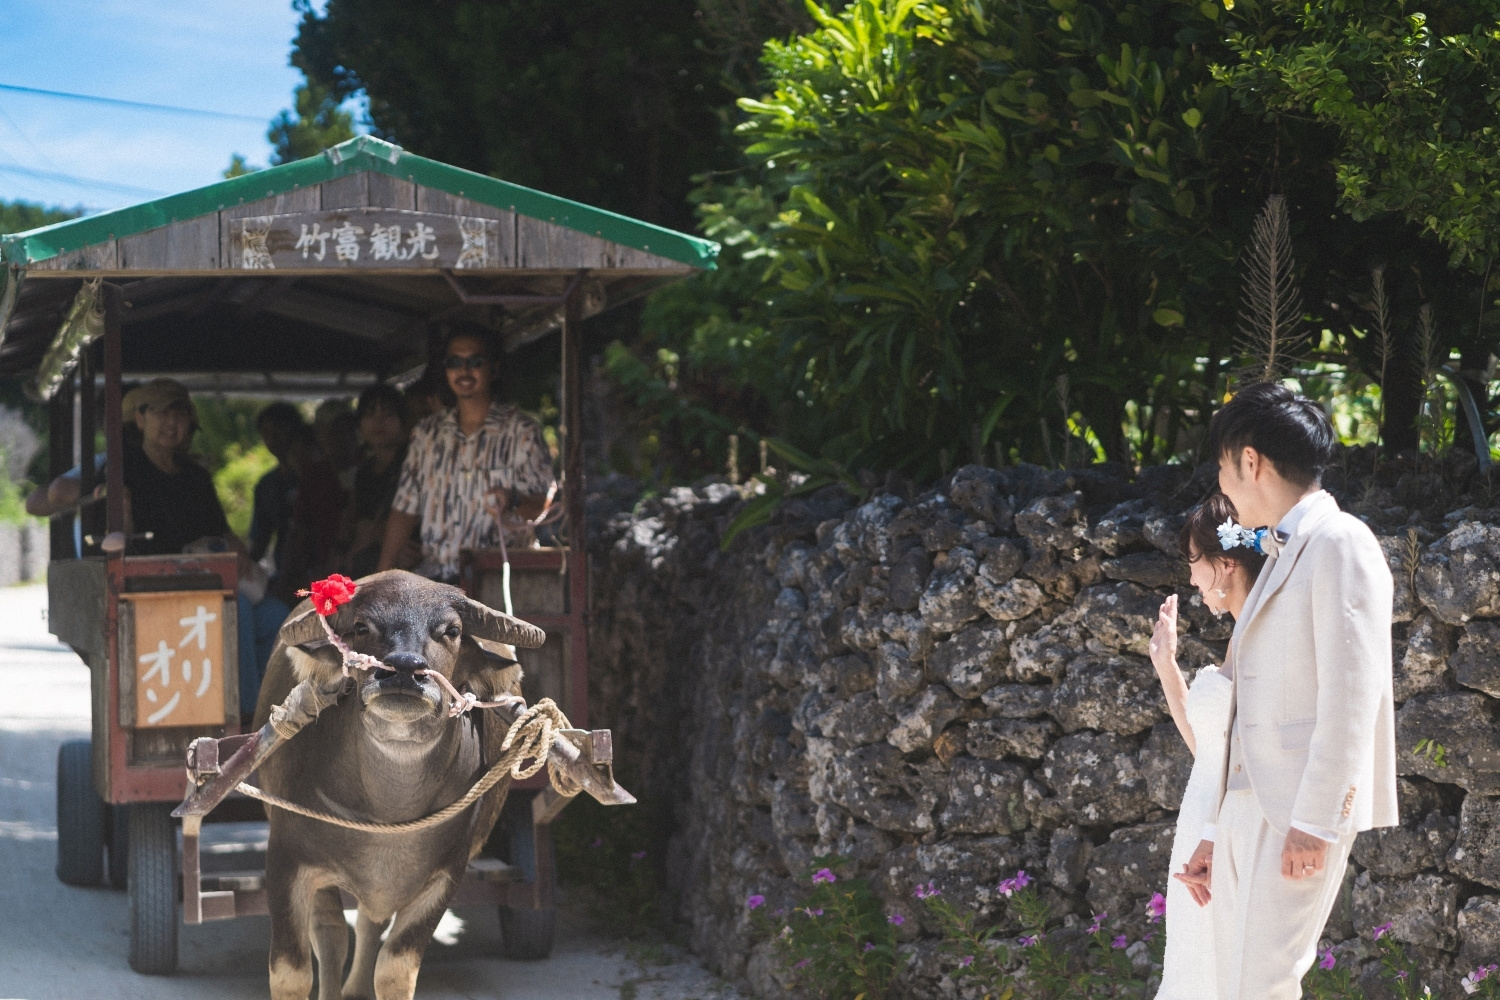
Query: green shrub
{"x":837,"y":944}
{"x":235,"y":482}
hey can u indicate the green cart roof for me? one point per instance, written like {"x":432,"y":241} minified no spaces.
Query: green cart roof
{"x":360,"y":154}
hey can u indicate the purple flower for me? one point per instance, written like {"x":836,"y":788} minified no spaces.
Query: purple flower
{"x":754,"y":901}
{"x":638,"y":855}
{"x":811,"y":912}
{"x":802,"y":964}
{"x":966,"y":961}
{"x":1012,"y":885}
{"x":1402,"y":975}
{"x":1149,"y":936}
{"x":1327,"y":960}
{"x":1471,"y":982}
{"x":1098,"y":923}
{"x":1382,"y":930}
{"x":1157,"y":908}
{"x":869,"y":946}
{"x":927,"y":891}
{"x":598,"y":842}
{"x":1028,"y":940}
{"x":824,"y":875}
{"x":1120,"y":941}
{"x":895,"y":918}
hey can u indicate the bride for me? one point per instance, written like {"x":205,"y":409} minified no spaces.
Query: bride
{"x":1224,"y":569}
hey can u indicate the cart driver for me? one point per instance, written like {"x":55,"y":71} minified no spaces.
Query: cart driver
{"x":463,"y":465}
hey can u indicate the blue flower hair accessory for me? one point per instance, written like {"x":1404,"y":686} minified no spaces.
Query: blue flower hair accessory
{"x":1233,"y":536}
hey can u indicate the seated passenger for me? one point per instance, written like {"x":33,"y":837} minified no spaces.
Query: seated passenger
{"x":275,"y":492}
{"x":464,"y":466}
{"x":168,"y":496}
{"x":171,"y":498}
{"x":63,"y":492}
{"x":382,"y":430}
{"x":313,"y":521}
{"x":337,"y":428}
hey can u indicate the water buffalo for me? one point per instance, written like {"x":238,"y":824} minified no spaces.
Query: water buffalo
{"x":388,"y":752}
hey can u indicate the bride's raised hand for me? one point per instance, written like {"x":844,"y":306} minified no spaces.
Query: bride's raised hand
{"x":1164,"y":636}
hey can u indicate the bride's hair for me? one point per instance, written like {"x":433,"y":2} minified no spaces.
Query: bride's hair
{"x":1199,"y":538}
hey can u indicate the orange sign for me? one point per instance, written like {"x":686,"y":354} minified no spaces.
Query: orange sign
{"x":179,"y":658}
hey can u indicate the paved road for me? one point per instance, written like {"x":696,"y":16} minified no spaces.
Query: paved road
{"x":60,"y":942}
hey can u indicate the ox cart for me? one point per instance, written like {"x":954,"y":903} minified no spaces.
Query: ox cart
{"x":311,"y":279}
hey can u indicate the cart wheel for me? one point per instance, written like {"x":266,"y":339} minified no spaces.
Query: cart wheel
{"x":117,"y":847}
{"x":527,"y":934}
{"x":80,"y":817}
{"x":153,"y":889}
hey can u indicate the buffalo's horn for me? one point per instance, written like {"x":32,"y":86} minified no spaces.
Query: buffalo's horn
{"x":305,"y":629}
{"x":496,"y":626}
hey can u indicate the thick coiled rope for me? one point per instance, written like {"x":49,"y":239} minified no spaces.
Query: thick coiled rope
{"x":530,"y":737}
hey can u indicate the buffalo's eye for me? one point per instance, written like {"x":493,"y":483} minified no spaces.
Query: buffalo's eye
{"x":451,"y":631}
{"x":360,"y":628}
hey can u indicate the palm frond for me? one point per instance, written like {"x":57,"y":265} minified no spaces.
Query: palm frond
{"x":1385,"y":342}
{"x":1271,"y":333}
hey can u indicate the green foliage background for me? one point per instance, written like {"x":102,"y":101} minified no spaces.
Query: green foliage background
{"x":1000,"y":232}
{"x":968,"y":230}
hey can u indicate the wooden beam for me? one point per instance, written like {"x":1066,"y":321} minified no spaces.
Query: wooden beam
{"x":253,"y":303}
{"x":349,"y":316}
{"x":190,"y":305}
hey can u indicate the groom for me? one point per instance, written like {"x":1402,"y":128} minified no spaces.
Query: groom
{"x":1312,"y":758}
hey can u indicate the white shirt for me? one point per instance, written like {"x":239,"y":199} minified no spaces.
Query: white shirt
{"x":447,"y":475}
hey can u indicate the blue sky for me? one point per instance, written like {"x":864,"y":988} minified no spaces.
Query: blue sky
{"x":220,"y":55}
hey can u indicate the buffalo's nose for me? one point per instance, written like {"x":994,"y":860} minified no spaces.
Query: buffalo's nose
{"x":405,"y":663}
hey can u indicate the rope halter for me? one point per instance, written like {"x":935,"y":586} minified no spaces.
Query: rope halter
{"x":331,"y":593}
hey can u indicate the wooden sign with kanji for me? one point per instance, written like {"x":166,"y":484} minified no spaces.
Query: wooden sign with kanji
{"x":178,"y":658}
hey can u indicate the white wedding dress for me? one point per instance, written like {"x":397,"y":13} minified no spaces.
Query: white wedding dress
{"x":1189,"y":973}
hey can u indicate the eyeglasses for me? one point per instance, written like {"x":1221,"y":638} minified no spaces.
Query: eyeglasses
{"x":454,"y":362}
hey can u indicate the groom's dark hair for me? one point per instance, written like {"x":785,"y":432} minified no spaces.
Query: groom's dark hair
{"x":1290,"y":430}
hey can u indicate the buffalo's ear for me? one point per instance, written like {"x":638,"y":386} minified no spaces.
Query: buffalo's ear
{"x":487,"y":668}
{"x":499,"y":654}
{"x":303,"y":629}
{"x":486,"y":623}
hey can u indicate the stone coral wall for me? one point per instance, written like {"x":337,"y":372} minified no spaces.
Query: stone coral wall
{"x":954,"y":685}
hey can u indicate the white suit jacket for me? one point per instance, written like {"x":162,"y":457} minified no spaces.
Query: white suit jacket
{"x":1312,"y":679}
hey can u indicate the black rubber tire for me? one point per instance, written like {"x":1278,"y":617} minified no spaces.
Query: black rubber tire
{"x":527,"y":935}
{"x":117,"y":847}
{"x":80,"y":817}
{"x":153,"y":889}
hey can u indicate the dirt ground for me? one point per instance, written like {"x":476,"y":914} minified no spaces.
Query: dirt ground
{"x":59,"y":942}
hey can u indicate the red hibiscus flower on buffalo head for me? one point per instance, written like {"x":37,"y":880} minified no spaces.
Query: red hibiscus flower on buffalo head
{"x":330,"y":593}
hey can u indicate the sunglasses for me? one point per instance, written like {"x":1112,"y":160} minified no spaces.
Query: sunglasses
{"x":454,"y":362}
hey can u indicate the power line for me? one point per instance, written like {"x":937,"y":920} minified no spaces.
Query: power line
{"x":169,"y":108}
{"x":48,"y":175}
{"x":47,"y":160}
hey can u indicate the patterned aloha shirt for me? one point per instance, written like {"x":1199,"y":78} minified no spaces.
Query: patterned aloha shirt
{"x":447,"y":473}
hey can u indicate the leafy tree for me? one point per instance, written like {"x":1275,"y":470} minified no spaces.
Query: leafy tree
{"x":1411,"y":96}
{"x":609,"y":103}
{"x":314,"y":123}
{"x":19,"y":216}
{"x":1020,"y":227}
{"x":238,"y":166}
